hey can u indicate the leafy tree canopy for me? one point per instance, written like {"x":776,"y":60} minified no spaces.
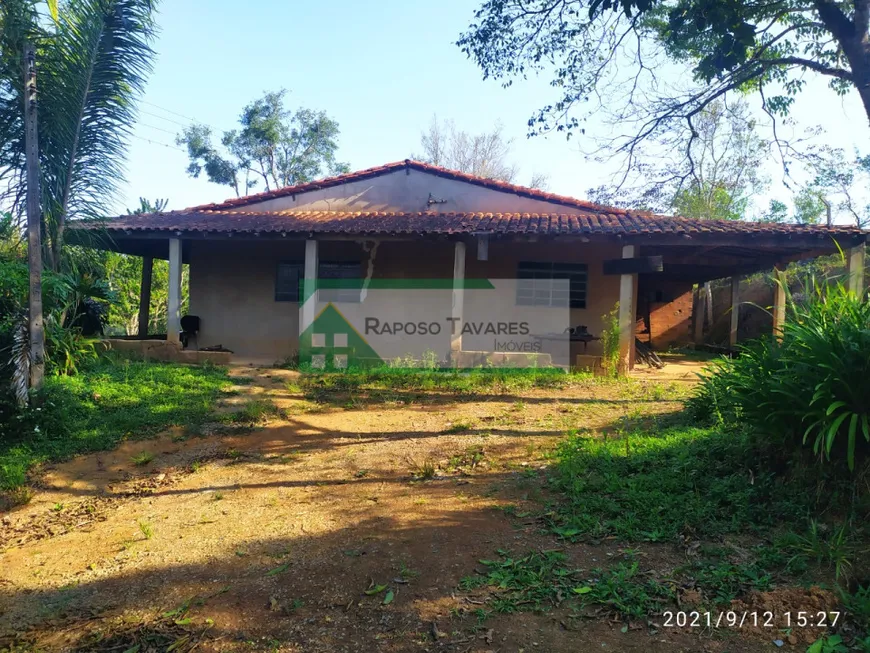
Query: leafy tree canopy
{"x":612,"y":57}
{"x":272,"y":145}
{"x":838,"y":184}
{"x":714,"y":179}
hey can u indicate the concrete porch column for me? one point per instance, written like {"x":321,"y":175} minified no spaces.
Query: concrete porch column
{"x":309,"y":286}
{"x":173,"y":313}
{"x":458,"y":300}
{"x":855,"y":268}
{"x":627,"y":310}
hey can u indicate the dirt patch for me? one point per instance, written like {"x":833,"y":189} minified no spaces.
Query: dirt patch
{"x":796,"y":611}
{"x":338,"y":526}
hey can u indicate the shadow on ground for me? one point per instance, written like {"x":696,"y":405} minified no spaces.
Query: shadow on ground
{"x":309,"y":593}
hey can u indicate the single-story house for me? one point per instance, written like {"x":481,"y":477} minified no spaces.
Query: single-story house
{"x":411,"y":220}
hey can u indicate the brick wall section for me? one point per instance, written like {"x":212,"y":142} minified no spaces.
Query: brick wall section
{"x":664,"y":313}
{"x":670,"y":323}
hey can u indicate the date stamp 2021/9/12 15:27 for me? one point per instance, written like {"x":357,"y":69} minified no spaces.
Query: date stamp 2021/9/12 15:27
{"x":749,"y":619}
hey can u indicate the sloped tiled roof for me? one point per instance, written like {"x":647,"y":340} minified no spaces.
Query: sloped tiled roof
{"x":427,"y":222}
{"x":368,"y":173}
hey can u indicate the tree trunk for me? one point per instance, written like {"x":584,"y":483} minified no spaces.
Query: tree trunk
{"x":861,"y":79}
{"x":36,"y":327}
{"x":850,"y":32}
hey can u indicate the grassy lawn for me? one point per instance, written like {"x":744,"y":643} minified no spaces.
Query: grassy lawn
{"x":703,"y":492}
{"x":656,"y":486}
{"x":600,"y":504}
{"x":106,"y":403}
{"x":395,"y":379}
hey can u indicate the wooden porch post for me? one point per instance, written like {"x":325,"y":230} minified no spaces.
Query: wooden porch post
{"x":735,"y":310}
{"x":145,"y":296}
{"x":855,"y":267}
{"x":458,"y":300}
{"x":699,"y":306}
{"x":627,"y":298}
{"x":778,"y":302}
{"x":173,"y":317}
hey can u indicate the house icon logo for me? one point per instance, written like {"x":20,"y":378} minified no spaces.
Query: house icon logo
{"x":331,"y":342}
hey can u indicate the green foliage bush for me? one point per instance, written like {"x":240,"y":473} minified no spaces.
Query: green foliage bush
{"x":66,"y":348}
{"x":73,"y":302}
{"x":810,"y":389}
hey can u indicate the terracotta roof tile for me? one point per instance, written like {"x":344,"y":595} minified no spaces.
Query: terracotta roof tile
{"x":426,"y":222}
{"x":579,"y":218}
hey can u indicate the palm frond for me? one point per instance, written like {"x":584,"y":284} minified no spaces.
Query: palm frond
{"x":93,"y":69}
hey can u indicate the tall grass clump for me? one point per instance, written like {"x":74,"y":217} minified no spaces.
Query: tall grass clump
{"x":610,"y":342}
{"x":808,"y":390}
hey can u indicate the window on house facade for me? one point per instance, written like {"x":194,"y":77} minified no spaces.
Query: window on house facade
{"x":291,"y":274}
{"x":287,"y":281}
{"x":340,"y":270}
{"x":537,"y":286}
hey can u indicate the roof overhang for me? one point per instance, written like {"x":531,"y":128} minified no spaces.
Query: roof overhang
{"x":692,"y":251}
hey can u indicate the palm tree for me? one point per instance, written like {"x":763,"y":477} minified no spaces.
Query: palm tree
{"x":92,"y":66}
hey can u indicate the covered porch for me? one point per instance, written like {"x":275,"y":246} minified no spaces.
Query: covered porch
{"x":235,"y":273}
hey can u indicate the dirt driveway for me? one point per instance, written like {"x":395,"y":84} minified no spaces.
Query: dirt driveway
{"x":342,"y":526}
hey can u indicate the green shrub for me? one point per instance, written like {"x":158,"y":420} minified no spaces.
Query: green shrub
{"x":810,"y":389}
{"x":66,"y":348}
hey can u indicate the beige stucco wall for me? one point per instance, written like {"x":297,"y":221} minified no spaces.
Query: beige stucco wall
{"x":232,"y":283}
{"x":408,"y":191}
{"x":602,"y":290}
{"x":232,"y":290}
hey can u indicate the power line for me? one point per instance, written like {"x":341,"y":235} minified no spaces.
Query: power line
{"x":174,"y":122}
{"x":160,"y":129}
{"x":174,"y":113}
{"x":148,"y":140}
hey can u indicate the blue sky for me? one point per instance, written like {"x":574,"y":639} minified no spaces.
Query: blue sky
{"x":380,"y":69}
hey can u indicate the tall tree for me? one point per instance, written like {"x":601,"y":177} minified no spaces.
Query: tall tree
{"x":842,"y":181}
{"x":147,"y":206}
{"x":838,"y":183}
{"x":92,"y":65}
{"x":273,"y":145}
{"x":715,"y":179}
{"x":35,"y":325}
{"x":621,"y":59}
{"x":486,"y":154}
